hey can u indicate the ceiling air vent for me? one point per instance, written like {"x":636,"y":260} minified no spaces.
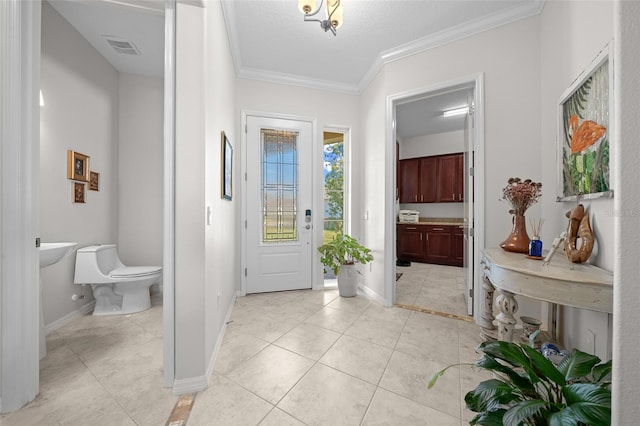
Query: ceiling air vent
{"x":121,"y":45}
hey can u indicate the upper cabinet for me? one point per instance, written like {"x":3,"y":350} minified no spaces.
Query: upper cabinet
{"x":436,"y":179}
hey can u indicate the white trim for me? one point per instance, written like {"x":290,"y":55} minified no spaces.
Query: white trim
{"x":190,"y":385}
{"x":296,"y":80}
{"x":216,"y":349}
{"x":60,"y":322}
{"x":168,"y":280}
{"x":315,"y":217}
{"x":477,"y":83}
{"x":19,"y":207}
{"x":371,"y":295}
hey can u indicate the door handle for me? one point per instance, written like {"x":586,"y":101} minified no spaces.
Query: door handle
{"x":307,"y":227}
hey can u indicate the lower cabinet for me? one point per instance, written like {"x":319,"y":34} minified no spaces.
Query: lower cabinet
{"x":442,"y":245}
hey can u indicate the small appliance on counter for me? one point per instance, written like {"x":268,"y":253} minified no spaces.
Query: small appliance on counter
{"x":409,"y":216}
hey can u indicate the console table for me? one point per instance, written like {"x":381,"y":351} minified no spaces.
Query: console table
{"x":559,"y":282}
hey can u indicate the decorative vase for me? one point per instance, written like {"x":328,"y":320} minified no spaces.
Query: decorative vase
{"x":518,"y":240}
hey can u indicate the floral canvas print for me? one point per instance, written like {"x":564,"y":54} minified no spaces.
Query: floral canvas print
{"x":585,"y":134}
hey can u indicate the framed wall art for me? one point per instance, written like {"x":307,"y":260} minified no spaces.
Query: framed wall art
{"x":77,"y":166}
{"x":94,"y":181}
{"x":227,"y":168}
{"x":79,"y":192}
{"x":585,"y":133}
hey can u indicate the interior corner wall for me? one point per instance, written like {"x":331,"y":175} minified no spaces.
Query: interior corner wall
{"x":140,"y":160}
{"x":572,"y":34}
{"x":80,"y":113}
{"x":189,"y":290}
{"x":509,"y":58}
{"x":222,"y":246}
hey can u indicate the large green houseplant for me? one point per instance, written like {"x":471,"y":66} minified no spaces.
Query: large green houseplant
{"x":528,"y":389}
{"x":340,"y":255}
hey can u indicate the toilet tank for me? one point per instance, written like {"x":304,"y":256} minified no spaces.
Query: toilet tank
{"x":93,"y":264}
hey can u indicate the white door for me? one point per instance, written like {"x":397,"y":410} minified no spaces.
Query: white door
{"x":468,"y":206}
{"x":279,"y":197}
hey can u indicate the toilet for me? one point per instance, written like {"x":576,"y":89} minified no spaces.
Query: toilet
{"x":118,"y":289}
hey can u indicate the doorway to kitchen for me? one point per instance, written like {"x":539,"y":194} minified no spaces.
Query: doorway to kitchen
{"x":437,"y":134}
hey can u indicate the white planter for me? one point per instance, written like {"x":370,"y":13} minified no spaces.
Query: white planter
{"x":348,"y":281}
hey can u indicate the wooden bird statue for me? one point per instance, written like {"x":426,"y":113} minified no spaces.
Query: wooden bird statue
{"x":579,"y":227}
{"x":584,"y":136}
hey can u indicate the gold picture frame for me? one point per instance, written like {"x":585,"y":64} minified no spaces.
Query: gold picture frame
{"x":77,"y":166}
{"x":94,"y":181}
{"x":79,"y":192}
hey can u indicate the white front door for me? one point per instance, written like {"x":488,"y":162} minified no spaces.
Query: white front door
{"x":279,"y":197}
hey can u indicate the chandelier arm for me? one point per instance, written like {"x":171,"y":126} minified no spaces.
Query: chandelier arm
{"x":315,"y":13}
{"x":333,"y":11}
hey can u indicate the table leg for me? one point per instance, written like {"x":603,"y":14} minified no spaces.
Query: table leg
{"x":508,"y":306}
{"x":487,"y":331}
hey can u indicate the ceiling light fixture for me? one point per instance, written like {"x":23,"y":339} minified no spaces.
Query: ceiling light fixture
{"x":456,"y":111}
{"x":334,"y":13}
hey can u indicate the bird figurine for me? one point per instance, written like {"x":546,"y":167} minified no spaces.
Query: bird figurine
{"x":585,"y":135}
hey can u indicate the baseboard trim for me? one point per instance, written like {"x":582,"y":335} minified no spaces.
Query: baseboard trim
{"x":223,"y":331}
{"x":370,"y":294}
{"x":190,"y":385}
{"x":83,"y":310}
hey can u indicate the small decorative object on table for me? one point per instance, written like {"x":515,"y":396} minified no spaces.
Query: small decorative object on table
{"x":579,"y":227}
{"x":535,"y":245}
{"x":520,"y":195}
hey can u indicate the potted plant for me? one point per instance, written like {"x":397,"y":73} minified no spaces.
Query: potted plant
{"x":528,"y":389}
{"x":340,"y":255}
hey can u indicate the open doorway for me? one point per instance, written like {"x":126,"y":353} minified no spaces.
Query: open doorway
{"x":436,"y":203}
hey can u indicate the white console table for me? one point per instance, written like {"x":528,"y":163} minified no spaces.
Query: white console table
{"x":560,"y":283}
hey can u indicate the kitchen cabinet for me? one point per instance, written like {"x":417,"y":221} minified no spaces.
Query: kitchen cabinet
{"x":438,"y":244}
{"x":418,"y":180}
{"x":450,"y":178}
{"x":435,"y":179}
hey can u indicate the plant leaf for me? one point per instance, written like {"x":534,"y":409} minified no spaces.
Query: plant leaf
{"x":524,"y":410}
{"x":491,"y":395}
{"x":565,"y":417}
{"x":577,"y":365}
{"x":590,"y":403}
{"x":489,"y":418}
{"x":488,"y":362}
{"x":543,"y":366}
{"x":511,"y":353}
{"x":601,"y":372}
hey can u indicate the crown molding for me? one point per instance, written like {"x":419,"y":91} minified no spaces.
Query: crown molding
{"x":296,"y":80}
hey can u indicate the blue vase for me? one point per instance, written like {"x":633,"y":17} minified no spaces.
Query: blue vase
{"x":535,"y":247}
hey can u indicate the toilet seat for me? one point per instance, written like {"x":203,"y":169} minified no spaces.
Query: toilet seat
{"x":135,"y":271}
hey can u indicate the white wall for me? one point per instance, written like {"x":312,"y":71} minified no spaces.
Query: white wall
{"x":509,"y":58}
{"x":571,"y":36}
{"x":206,"y":269}
{"x":428,"y":145}
{"x":80,"y":91}
{"x":140,"y":168}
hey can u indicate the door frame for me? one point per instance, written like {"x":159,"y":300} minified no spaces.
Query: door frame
{"x":315,"y":203}
{"x":476,"y":83}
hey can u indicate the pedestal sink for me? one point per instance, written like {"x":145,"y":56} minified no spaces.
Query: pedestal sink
{"x":50,"y":254}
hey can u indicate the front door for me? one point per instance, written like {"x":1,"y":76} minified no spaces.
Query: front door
{"x":279,"y":197}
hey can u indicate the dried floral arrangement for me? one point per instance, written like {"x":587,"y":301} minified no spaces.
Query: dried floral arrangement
{"x":521,"y":194}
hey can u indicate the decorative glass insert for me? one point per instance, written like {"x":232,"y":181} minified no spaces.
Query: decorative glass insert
{"x":279,"y":186}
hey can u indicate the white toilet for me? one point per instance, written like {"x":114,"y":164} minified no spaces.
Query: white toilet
{"x":118,"y":289}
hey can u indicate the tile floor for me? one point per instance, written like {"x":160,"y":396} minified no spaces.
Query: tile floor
{"x":290,"y":358}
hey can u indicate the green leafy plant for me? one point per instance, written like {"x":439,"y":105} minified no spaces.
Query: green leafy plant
{"x":343,"y":250}
{"x":528,"y":389}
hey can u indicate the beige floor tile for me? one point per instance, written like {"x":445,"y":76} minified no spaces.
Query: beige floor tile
{"x":353,"y":304}
{"x":333,"y":319}
{"x":390,"y":409}
{"x":408,"y":376}
{"x":308,"y":340}
{"x":375,"y":330}
{"x":236,"y":348}
{"x":226,"y":403}
{"x":358,"y":358}
{"x":278,"y":417}
{"x":271,"y":373}
{"x":328,"y":397}
{"x":431,"y":338}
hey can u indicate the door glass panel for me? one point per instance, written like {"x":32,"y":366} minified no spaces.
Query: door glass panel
{"x":333,"y":188}
{"x":279,"y":187}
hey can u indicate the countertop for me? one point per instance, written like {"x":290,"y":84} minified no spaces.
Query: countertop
{"x":436,"y":221}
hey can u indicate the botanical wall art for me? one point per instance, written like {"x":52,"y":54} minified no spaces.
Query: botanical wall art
{"x":77,"y":166}
{"x":227,"y":167}
{"x":585,"y":119}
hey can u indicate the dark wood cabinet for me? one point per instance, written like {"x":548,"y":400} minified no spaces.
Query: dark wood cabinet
{"x":442,"y":245}
{"x":436,"y":179}
{"x":410,"y":243}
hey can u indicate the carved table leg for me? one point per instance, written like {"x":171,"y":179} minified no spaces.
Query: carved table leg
{"x":486,"y":315}
{"x":508,"y":306}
